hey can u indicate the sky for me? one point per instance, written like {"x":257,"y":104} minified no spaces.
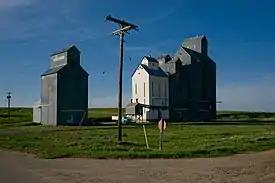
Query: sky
{"x":240,"y":35}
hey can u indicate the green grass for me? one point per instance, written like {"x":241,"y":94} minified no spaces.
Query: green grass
{"x":23,"y":116}
{"x":18,"y":116}
{"x":180,"y":141}
{"x":103,"y":112}
{"x":245,"y":115}
{"x":188,"y":140}
{"x":96,"y":142}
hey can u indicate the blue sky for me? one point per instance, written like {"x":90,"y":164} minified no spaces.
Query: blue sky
{"x":240,"y":34}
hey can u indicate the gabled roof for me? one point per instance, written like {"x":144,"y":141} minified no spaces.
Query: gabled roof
{"x":53,"y":70}
{"x":164,"y":57}
{"x":72,"y":47}
{"x":154,"y":72}
{"x":150,"y":59}
{"x":174,"y":59}
{"x":192,"y":53}
{"x":196,"y":55}
{"x":196,"y":37}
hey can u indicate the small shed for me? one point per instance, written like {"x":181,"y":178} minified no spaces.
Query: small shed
{"x":134,"y":111}
{"x":37,"y":112}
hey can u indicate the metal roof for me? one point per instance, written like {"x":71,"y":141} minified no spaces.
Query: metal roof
{"x":148,"y":70}
{"x":53,"y":70}
{"x":65,"y":50}
{"x":166,"y":56}
{"x":154,"y":72}
{"x":196,"y":55}
{"x":174,"y":59}
{"x":151,"y":59}
{"x":196,"y":37}
{"x":192,"y":53}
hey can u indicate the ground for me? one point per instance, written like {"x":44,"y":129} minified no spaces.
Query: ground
{"x":246,"y":168}
{"x":179,"y":141}
{"x":184,"y":140}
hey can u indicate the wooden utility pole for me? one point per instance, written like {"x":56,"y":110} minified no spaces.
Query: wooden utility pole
{"x":124,"y":28}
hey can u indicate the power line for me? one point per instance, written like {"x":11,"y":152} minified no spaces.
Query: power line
{"x":125,"y":27}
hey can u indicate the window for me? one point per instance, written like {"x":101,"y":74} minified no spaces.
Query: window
{"x":136,"y":88}
{"x":144,"y":89}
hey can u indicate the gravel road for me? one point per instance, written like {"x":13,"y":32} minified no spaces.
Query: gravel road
{"x":248,"y":168}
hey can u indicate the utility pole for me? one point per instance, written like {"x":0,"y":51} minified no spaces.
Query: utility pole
{"x":124,"y":28}
{"x":9,"y":104}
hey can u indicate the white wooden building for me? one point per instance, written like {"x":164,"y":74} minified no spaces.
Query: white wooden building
{"x":150,"y":86}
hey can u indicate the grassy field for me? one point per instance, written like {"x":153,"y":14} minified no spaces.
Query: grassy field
{"x":102,"y":112}
{"x":25,"y":114}
{"x":18,"y":116}
{"x":180,"y":141}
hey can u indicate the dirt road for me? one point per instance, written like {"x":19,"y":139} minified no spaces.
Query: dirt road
{"x":252,"y":168}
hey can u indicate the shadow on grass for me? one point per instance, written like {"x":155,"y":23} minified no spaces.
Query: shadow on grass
{"x":228,"y":123}
{"x":241,"y":123}
{"x":148,"y":154}
{"x":131,"y":144}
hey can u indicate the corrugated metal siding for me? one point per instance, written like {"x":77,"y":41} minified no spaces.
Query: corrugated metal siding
{"x":191,"y":81}
{"x":140,"y":79}
{"x":195,"y":81}
{"x":211,"y":84}
{"x":49,"y":99}
{"x":130,"y":109}
{"x":64,"y":94}
{"x":133,"y":109}
{"x":36,"y":114}
{"x":158,"y":98}
{"x":72,"y":95}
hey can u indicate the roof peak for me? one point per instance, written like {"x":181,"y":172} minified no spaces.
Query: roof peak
{"x":65,"y":49}
{"x":196,"y":37}
{"x":162,"y":56}
{"x":150,"y":59}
